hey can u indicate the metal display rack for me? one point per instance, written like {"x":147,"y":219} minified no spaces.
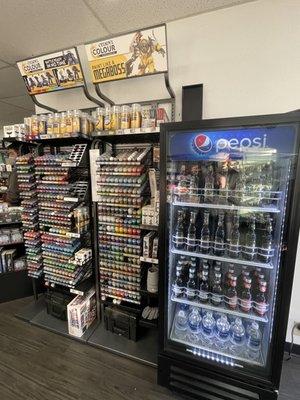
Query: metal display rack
{"x":14,"y":284}
{"x":145,"y":349}
{"x":36,"y":312}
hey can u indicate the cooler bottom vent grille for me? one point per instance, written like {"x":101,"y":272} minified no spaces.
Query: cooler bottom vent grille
{"x":201,"y":387}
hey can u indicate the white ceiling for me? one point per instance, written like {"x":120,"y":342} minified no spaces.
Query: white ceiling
{"x":32,"y":27}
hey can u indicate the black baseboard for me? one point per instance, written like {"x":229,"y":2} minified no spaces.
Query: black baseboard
{"x":295,"y":349}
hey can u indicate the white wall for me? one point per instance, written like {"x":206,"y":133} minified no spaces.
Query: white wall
{"x":247,"y":57}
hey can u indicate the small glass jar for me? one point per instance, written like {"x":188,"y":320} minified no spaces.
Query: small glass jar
{"x":76,"y":121}
{"x":99,"y":119}
{"x":50,"y":122}
{"x":136,"y":116}
{"x":56,"y":124}
{"x":115,"y":118}
{"x":63,"y":126}
{"x":107,"y":119}
{"x":27,"y":123}
{"x":69,"y":119}
{"x":42,"y":124}
{"x":84,"y":124}
{"x":34,"y":125}
{"x":91,"y":124}
{"x":125,"y":117}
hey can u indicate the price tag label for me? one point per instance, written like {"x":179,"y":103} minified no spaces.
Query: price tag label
{"x":71,"y":199}
{"x":73,"y":235}
{"x":79,"y":292}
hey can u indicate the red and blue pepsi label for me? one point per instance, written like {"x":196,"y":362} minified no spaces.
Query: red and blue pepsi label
{"x":224,"y":143}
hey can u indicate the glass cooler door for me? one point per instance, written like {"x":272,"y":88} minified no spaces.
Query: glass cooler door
{"x":227,"y":195}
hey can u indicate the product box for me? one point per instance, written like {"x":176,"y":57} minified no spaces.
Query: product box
{"x":9,"y":131}
{"x":155,"y":247}
{"x":156,"y":154}
{"x":161,"y":116}
{"x":153,"y":184}
{"x":22,"y":132}
{"x":83,"y":256}
{"x":121,"y":322}
{"x":148,"y":244}
{"x":81,"y":313}
{"x":148,"y":116}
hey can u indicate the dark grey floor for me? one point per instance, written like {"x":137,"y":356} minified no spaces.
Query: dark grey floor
{"x":39,"y":365}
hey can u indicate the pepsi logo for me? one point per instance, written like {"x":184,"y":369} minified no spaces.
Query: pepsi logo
{"x":202,"y":143}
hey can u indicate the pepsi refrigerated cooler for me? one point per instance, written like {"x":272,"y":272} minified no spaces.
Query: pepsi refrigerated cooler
{"x":229,"y":222}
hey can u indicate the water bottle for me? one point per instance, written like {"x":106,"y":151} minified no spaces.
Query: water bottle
{"x":253,"y":341}
{"x":181,"y":322}
{"x":194,"y":323}
{"x":208,"y":326}
{"x":237,"y":337}
{"x":222,"y":332}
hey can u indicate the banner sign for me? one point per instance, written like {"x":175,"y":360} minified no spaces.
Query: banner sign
{"x":139,"y":53}
{"x":231,"y":143}
{"x":50,"y":72}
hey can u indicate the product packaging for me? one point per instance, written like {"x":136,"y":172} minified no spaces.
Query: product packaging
{"x":81,"y":313}
{"x":148,"y":116}
{"x":148,"y":244}
{"x":9,"y":131}
{"x":161,"y":116}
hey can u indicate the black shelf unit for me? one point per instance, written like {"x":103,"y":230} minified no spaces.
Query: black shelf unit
{"x":149,"y":227}
{"x":101,"y":337}
{"x":36,"y":313}
{"x":9,"y":223}
{"x":63,"y":141}
{"x":14,"y":284}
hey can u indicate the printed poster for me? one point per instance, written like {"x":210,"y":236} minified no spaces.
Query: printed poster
{"x":139,"y":53}
{"x":55,"y":71}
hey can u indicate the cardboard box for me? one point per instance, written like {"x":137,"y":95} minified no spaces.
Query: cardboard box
{"x":81,"y":313}
{"x":155,"y":247}
{"x":153,"y":184}
{"x":147,"y":244}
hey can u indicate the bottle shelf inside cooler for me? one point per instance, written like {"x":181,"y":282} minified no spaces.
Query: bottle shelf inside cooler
{"x":252,"y":209}
{"x":262,"y":200}
{"x":224,"y":259}
{"x":219,"y":309}
{"x":216,"y":352}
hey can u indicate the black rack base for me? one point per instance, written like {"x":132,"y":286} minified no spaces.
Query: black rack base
{"x":144,"y":350}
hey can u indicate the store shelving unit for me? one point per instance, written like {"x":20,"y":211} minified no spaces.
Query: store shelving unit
{"x":62,"y":186}
{"x":14,"y":284}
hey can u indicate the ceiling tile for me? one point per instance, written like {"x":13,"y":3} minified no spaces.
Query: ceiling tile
{"x":11,"y":83}
{"x":22,"y":102}
{"x":11,"y":115}
{"x":124,"y":15}
{"x":3,"y":64}
{"x":44,"y":26}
